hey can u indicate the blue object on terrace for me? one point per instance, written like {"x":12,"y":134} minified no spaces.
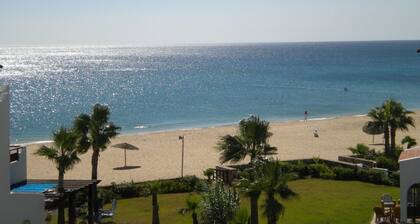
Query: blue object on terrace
{"x":33,"y":188}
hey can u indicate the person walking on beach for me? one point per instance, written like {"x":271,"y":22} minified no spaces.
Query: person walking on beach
{"x":306,"y":115}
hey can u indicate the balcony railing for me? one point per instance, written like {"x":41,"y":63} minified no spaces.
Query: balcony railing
{"x":14,"y":152}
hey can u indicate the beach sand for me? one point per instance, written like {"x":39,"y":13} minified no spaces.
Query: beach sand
{"x":159,"y":156}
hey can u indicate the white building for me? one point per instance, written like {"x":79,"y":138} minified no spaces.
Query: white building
{"x":15,"y":208}
{"x":410,"y":184}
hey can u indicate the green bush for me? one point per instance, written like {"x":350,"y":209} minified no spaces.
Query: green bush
{"x":126,"y":189}
{"x":364,"y":152}
{"x":373,"y":176}
{"x":182,"y":185}
{"x":342,"y":173}
{"x":387,"y":163}
{"x":301,"y":168}
{"x":105,"y":195}
{"x":395,"y":178}
{"x":320,"y":170}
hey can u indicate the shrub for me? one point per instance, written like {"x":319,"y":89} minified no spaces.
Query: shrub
{"x":395,"y":178}
{"x":220,"y":204}
{"x":105,"y":195}
{"x":126,"y":189}
{"x":342,"y":173}
{"x":209,"y":173}
{"x":301,"y":168}
{"x":182,"y":185}
{"x":373,"y":176}
{"x":388,"y":163}
{"x":363,"y":151}
{"x":320,"y":170}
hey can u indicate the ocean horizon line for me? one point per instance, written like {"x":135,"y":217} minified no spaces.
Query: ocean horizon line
{"x":192,"y":44}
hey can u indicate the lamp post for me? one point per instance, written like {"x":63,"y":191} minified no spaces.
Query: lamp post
{"x":182,"y":159}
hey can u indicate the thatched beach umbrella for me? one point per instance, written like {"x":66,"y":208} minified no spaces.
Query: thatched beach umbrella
{"x":126,"y":147}
{"x":371,"y":128}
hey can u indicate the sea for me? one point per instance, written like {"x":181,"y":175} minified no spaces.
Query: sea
{"x":152,"y":89}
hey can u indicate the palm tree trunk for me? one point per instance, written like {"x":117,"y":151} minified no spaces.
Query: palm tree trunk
{"x":60,"y":188}
{"x":271,"y":216}
{"x":194,"y":218}
{"x":155,"y":215}
{"x":393,"y":132}
{"x":386,"y":137}
{"x":95,"y":158}
{"x":254,"y":209}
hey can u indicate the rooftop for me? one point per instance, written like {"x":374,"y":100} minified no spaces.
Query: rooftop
{"x":409,"y":154}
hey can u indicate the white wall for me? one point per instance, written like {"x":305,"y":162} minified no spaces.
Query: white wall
{"x":24,"y":206}
{"x":409,"y":175}
{"x":14,"y":208}
{"x":18,"y":168}
{"x":4,"y":141}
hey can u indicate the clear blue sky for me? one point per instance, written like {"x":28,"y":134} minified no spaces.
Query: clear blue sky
{"x":159,"y":22}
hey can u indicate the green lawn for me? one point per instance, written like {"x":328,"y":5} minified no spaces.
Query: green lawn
{"x":318,"y":201}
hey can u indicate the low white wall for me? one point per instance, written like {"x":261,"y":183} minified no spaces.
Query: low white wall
{"x":23,"y":206}
{"x":18,"y":168}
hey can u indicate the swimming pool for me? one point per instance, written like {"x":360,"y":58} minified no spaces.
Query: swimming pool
{"x":33,"y":188}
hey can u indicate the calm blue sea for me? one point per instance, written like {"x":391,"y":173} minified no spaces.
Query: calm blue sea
{"x":162,"y":88}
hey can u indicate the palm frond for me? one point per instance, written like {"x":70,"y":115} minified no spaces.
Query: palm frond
{"x":231,"y":149}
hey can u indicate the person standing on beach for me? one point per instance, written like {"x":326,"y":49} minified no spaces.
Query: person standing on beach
{"x":306,"y":115}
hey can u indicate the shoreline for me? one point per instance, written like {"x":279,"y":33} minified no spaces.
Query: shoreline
{"x":192,"y":128}
{"x":159,"y":154}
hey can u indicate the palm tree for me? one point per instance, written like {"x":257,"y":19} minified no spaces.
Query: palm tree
{"x":274,"y":184}
{"x":399,"y":119}
{"x":252,"y":141}
{"x":411,"y":142}
{"x":64,"y":154}
{"x":252,"y":185}
{"x":380,"y":119}
{"x":154,"y":189}
{"x":193,"y":203}
{"x":95,"y":131}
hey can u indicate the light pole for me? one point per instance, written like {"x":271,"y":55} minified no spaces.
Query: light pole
{"x":182,"y":159}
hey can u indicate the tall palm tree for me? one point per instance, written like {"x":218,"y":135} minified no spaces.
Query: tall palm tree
{"x":193,"y":203}
{"x":251,"y":184}
{"x":252,"y":141}
{"x":380,"y":118}
{"x":64,"y":154}
{"x":96,"y":132}
{"x":154,"y":189}
{"x":275,"y":184}
{"x":399,"y":119}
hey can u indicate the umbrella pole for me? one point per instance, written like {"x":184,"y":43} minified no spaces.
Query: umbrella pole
{"x":125,"y":157}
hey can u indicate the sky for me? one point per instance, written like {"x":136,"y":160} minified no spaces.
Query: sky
{"x":178,"y":22}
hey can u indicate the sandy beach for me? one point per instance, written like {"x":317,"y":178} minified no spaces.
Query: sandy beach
{"x":159,"y":156}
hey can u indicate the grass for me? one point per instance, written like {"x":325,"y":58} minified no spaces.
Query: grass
{"x":318,"y":201}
